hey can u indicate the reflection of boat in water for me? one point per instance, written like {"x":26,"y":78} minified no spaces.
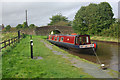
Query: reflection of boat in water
{"x":79,"y":43}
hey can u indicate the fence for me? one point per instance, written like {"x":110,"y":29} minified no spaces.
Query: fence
{"x":10,"y":41}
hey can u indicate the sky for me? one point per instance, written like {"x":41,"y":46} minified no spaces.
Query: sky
{"x":39,"y":11}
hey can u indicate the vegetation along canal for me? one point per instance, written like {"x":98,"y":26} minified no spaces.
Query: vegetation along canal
{"x":107,"y":53}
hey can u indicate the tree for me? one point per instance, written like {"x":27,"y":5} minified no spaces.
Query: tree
{"x":25,"y":25}
{"x":19,"y":26}
{"x":32,"y":26}
{"x":63,"y":23}
{"x":59,"y":19}
{"x":92,"y":19}
{"x":7,"y":28}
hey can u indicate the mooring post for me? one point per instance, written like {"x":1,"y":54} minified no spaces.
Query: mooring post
{"x":31,"y":45}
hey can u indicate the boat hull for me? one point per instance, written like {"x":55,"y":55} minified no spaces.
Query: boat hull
{"x":73,"y":47}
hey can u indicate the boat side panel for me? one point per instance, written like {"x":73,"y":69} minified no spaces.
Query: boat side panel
{"x":73,"y":47}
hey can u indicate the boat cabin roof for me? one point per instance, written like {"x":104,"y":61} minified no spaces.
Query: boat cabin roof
{"x":71,"y":35}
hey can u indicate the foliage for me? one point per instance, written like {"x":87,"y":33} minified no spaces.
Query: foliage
{"x":112,"y":31}
{"x":93,"y":19}
{"x":19,"y":26}
{"x":59,"y":20}
{"x":9,"y":35}
{"x":7,"y":28}
{"x":25,"y":25}
{"x":32,"y":26}
{"x":62,"y":23}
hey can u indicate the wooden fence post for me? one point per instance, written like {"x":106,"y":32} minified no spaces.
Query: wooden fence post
{"x":12,"y":41}
{"x":5,"y":44}
{"x":18,"y":36}
{"x":9,"y":42}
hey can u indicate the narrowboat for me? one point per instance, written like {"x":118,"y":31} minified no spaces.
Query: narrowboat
{"x":81,"y":43}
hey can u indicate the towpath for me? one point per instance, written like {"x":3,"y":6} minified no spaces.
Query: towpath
{"x":90,"y":68}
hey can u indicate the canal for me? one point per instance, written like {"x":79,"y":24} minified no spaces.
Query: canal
{"x":107,"y":53}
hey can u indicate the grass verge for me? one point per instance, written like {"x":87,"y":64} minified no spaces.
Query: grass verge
{"x":16,"y":62}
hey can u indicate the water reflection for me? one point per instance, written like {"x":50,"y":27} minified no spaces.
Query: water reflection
{"x":107,"y":53}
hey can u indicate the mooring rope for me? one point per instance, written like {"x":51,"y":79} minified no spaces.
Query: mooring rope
{"x":100,"y":61}
{"x":96,"y":56}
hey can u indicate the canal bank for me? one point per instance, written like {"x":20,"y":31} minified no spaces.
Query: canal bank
{"x":104,"y":39}
{"x":88,"y":67}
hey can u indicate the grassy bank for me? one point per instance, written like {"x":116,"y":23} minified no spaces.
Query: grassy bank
{"x":8,"y":35}
{"x":101,"y":38}
{"x":18,"y":64}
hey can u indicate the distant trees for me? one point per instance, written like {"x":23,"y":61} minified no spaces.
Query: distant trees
{"x":59,"y":20}
{"x":19,"y":26}
{"x":93,"y":19}
{"x":32,"y":26}
{"x":7,"y":28}
{"x":24,"y":25}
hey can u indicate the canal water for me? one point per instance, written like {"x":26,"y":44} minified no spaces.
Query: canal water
{"x":107,"y":53}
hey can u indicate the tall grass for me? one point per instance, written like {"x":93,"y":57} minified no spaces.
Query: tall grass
{"x":8,"y":35}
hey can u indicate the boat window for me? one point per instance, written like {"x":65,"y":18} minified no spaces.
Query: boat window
{"x":83,"y":39}
{"x":61,"y":39}
{"x":87,"y":41}
{"x":57,"y":38}
{"x":80,"y":39}
{"x":77,"y":40}
{"x":51,"y":37}
{"x":54,"y":38}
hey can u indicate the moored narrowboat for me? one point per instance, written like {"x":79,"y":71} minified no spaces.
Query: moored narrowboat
{"x":81,"y":43}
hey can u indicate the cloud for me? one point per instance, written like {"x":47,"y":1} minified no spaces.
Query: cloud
{"x":40,"y":12}
{"x":59,"y":0}
{"x":0,"y":13}
{"x":119,"y":10}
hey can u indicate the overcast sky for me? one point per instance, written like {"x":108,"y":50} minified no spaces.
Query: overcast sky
{"x":13,"y":12}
